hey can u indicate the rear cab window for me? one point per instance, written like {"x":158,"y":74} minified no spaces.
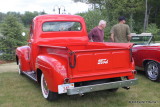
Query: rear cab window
{"x":61,"y":26}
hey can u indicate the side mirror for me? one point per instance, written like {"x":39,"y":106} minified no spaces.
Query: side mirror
{"x":23,"y":34}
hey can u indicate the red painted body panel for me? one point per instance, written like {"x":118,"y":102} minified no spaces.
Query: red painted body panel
{"x":143,"y":53}
{"x":23,"y":56}
{"x":69,"y":54}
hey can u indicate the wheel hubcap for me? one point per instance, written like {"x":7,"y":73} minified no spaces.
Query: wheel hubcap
{"x":152,"y":70}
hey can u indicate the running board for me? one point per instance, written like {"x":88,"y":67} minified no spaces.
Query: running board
{"x":31,"y":75}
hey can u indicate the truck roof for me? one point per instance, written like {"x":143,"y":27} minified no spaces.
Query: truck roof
{"x":58,"y":18}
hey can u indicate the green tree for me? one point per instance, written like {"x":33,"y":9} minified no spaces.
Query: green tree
{"x":153,"y":12}
{"x":2,"y":15}
{"x":139,"y":13}
{"x":11,"y":30}
{"x":153,"y":28}
{"x":110,"y":10}
{"x":28,"y":16}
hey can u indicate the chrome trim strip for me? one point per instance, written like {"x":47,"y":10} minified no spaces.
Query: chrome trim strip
{"x":62,"y":47}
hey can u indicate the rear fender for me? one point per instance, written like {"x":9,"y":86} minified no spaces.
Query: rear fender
{"x":22,"y":55}
{"x":54,"y":70}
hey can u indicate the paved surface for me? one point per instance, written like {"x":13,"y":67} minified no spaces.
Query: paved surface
{"x":9,"y":67}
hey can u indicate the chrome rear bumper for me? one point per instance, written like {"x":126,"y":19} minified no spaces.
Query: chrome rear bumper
{"x":98,"y":87}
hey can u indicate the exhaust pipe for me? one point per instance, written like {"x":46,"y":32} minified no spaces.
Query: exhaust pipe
{"x":81,"y":94}
{"x":127,"y":88}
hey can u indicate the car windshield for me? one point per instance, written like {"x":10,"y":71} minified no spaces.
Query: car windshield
{"x":61,"y":26}
{"x":141,"y":39}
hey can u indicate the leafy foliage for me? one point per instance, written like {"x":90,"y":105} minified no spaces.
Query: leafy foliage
{"x":28,"y":16}
{"x":133,"y":10}
{"x":12,"y":24}
{"x":11,"y":30}
{"x":153,"y":28}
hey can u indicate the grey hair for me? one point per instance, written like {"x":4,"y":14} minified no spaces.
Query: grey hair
{"x":101,"y":22}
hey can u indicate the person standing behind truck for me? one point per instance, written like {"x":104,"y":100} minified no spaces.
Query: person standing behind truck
{"x":121,"y":32}
{"x":97,"y":33}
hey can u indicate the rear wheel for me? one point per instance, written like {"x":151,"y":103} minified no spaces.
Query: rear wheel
{"x":152,"y":70}
{"x":47,"y":94}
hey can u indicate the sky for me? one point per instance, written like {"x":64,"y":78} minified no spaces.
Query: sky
{"x":43,"y":5}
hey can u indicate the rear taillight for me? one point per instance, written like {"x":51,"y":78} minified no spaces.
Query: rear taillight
{"x":66,"y":80}
{"x":72,"y":60}
{"x":131,"y":58}
{"x":134,"y":72}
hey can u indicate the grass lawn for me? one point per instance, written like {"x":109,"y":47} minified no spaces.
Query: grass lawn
{"x":20,"y":91}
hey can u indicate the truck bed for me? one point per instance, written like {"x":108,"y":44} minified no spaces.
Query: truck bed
{"x":103,"y":60}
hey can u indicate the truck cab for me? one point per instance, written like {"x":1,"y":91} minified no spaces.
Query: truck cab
{"x":60,"y":57}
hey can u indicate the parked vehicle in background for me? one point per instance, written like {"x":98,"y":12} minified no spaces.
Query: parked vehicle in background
{"x":146,"y":55}
{"x":60,"y":57}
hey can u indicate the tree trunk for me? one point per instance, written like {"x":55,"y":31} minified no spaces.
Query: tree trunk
{"x":155,"y":15}
{"x":145,"y":18}
{"x":131,"y":22}
{"x":148,"y":16}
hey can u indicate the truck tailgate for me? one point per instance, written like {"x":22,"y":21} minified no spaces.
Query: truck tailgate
{"x":100,"y":62}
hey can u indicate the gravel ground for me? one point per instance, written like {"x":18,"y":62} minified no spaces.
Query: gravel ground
{"x":9,"y":67}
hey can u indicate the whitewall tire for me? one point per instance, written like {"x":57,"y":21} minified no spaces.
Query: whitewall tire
{"x":19,"y":68}
{"x":47,"y":94}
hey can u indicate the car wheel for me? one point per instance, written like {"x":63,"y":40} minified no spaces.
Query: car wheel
{"x":19,"y":68}
{"x":152,"y":70}
{"x":47,"y":94}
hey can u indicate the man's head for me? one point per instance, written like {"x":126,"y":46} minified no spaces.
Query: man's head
{"x":102,"y":24}
{"x":122,"y":19}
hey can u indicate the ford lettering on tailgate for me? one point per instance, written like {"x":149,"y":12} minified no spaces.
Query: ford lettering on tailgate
{"x":102,"y":61}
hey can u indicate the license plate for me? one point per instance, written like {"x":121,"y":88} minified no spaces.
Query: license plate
{"x":63,"y":88}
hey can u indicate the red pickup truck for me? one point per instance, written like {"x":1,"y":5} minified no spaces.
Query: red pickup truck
{"x":60,"y":57}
